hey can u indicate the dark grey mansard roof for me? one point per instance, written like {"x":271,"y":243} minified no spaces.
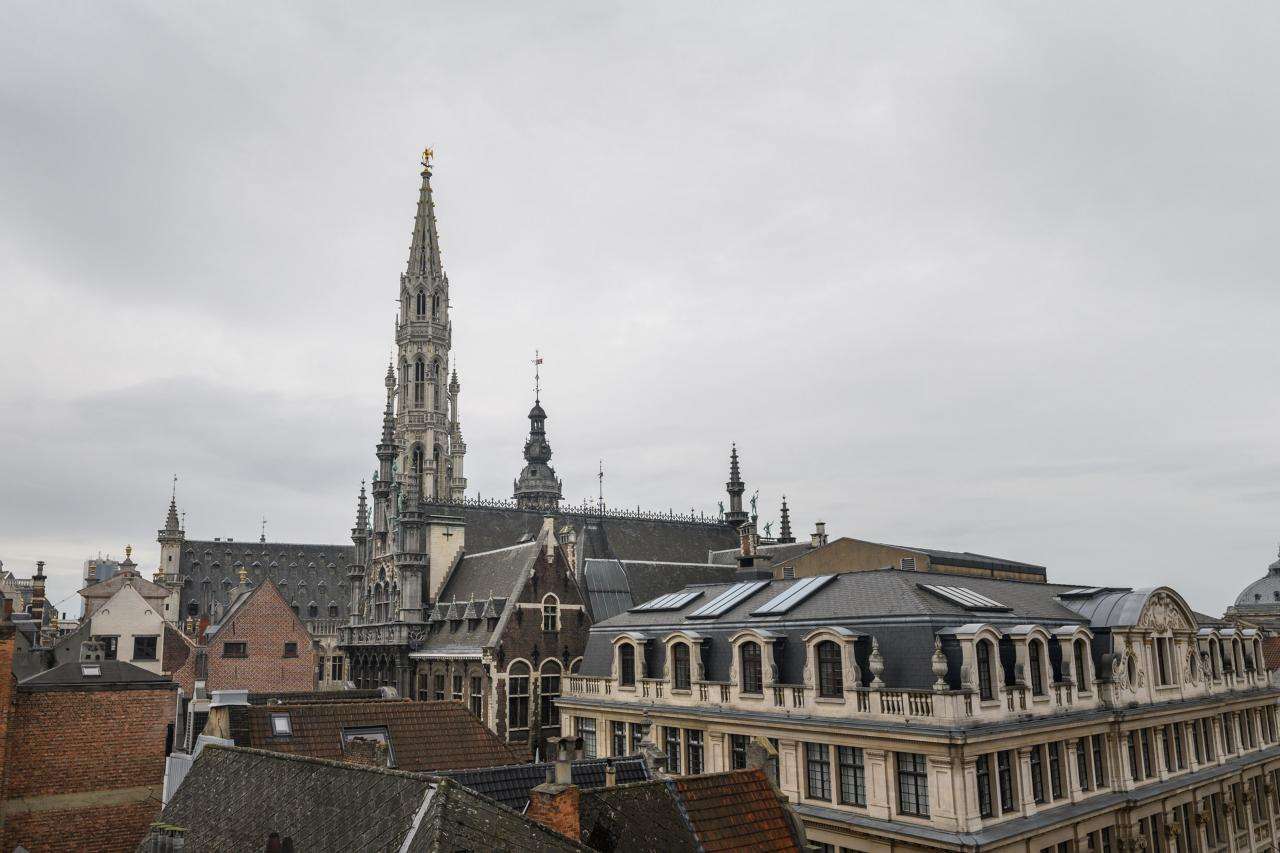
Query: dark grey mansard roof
{"x":289,"y":565}
{"x":777,"y":553}
{"x":889,"y":606}
{"x":614,"y":586}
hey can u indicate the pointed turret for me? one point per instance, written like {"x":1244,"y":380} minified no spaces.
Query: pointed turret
{"x":735,"y":487}
{"x":784,"y":534}
{"x":355,"y":573}
{"x":537,"y":486}
{"x":424,"y":250}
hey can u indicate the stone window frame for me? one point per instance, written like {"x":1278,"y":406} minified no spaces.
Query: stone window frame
{"x":638,"y":643}
{"x":969,"y":636}
{"x":1022,"y":635}
{"x":550,"y":613}
{"x":767,"y":641}
{"x":1067,"y":637}
{"x":850,"y":673}
{"x":527,"y":695}
{"x":694,"y":641}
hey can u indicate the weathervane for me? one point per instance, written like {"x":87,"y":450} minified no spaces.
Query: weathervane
{"x":427,"y":154}
{"x":537,"y":378}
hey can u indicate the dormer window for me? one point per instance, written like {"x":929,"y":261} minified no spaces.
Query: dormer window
{"x":680,"y":666}
{"x":985,"y":680}
{"x":627,"y":665}
{"x":1035,"y":657}
{"x":752,"y":679}
{"x":830,"y":670}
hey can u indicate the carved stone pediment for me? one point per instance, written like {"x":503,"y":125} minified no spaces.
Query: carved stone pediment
{"x":1163,"y":613}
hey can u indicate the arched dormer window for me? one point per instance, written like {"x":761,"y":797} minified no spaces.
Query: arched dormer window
{"x":627,"y":665}
{"x":421,"y":302}
{"x":985,"y":674}
{"x":751,"y":668}
{"x":830,"y":670}
{"x":333,"y":610}
{"x":550,"y":613}
{"x":1080,"y":654}
{"x":680,"y":676}
{"x":419,"y":381}
{"x":313,"y":610}
{"x":1035,"y":663}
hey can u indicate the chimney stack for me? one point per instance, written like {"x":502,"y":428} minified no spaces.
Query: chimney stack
{"x":556,"y":804}
{"x":610,"y":773}
{"x":819,"y":536}
{"x":37,"y":592}
{"x":747,"y":560}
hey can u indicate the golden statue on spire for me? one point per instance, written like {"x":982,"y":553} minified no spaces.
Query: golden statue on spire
{"x":427,"y":154}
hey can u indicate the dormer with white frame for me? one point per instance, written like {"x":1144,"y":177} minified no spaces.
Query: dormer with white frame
{"x":831,"y":666}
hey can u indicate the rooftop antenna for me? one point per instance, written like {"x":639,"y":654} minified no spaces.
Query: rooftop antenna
{"x":537,"y":378}
{"x":600,"y":487}
{"x":263,"y":537}
{"x":173,"y":495}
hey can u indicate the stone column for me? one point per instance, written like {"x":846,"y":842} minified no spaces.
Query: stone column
{"x":1027,"y":793}
{"x":970,"y":814}
{"x":716,"y":755}
{"x":879,"y":783}
{"x":1157,"y":735}
{"x":1215,"y":727}
{"x":1074,"y":790}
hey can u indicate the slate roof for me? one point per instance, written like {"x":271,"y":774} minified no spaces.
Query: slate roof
{"x":888,"y":605}
{"x":737,"y":810}
{"x":489,"y":528}
{"x":115,"y":675}
{"x":510,"y":784}
{"x":481,"y":583}
{"x":423,"y":735}
{"x":109,"y":587}
{"x":614,"y":586}
{"x":289,"y":565}
{"x":233,"y":798}
{"x":777,"y":553}
{"x":967,"y":559}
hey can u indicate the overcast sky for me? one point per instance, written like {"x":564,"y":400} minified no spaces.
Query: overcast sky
{"x":991,"y":277}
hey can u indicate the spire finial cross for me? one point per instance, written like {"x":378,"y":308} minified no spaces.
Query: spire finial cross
{"x":537,"y":376}
{"x":173,"y":495}
{"x":600,"y":478}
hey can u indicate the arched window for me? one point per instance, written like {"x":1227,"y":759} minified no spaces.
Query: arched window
{"x":550,"y":613}
{"x":752,"y":672}
{"x":627,"y":665}
{"x":549,"y":692}
{"x":422,"y":303}
{"x":313,"y":610}
{"x":1081,"y":650}
{"x":984,"y":671}
{"x":518,"y":696}
{"x":1215,"y":659}
{"x":680,"y":666}
{"x":333,"y":610}
{"x":830,"y":670}
{"x":1237,"y":650}
{"x":435,"y":305}
{"x":1035,"y":662}
{"x":419,"y":381}
{"x":435,"y":383}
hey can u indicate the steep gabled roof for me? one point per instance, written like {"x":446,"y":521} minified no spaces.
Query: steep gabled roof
{"x":109,"y":587}
{"x":234,"y":798}
{"x":423,"y":736}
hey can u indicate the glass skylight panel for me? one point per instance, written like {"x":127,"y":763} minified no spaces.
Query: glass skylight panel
{"x":670,"y":601}
{"x":965,"y":597}
{"x":789,"y":598}
{"x":727,"y":599}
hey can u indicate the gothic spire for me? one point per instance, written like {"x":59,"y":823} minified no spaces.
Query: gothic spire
{"x":784,"y":534}
{"x":362,"y":510}
{"x":735,"y":487}
{"x":389,"y":414}
{"x":424,"y":251}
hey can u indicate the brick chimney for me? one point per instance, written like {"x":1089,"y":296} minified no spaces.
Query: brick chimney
{"x":555,"y":803}
{"x":37,"y":593}
{"x":750,"y":566}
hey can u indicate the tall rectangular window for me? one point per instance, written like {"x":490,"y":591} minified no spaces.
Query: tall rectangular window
{"x":1197,"y":741}
{"x":477,"y":696}
{"x":693,"y":751}
{"x":439,"y":686}
{"x":457,"y":687}
{"x":1146,"y":753}
{"x":1099,"y":762}
{"x":1004,"y":778}
{"x":738,"y":752}
{"x":618,"y":738}
{"x":1055,"y":769}
{"x":1135,"y":767}
{"x":635,"y":734}
{"x":1037,"y":773}
{"x":1228,"y":733}
{"x":984,"y":785}
{"x":671,"y":744}
{"x":1082,"y":763}
{"x":913,"y":784}
{"x":817,"y":760}
{"x":984,"y":670}
{"x":585,"y":728}
{"x":1179,"y":746}
{"x":335,"y":667}
{"x":1166,"y":738}
{"x":853,"y":778}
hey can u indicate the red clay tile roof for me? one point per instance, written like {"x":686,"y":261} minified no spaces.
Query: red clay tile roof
{"x":424,"y":736}
{"x":738,"y":810}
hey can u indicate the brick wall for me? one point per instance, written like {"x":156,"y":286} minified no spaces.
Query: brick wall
{"x":85,"y":767}
{"x":264,"y":623}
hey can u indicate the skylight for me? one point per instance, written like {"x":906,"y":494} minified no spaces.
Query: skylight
{"x":965,"y":597}
{"x":792,"y":596}
{"x":90,"y":670}
{"x":280,"y":725}
{"x":670,"y":601}
{"x":727,"y":599}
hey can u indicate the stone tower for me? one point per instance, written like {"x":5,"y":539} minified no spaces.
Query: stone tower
{"x":537,"y":486}
{"x":427,"y":426}
{"x":735,"y":487}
